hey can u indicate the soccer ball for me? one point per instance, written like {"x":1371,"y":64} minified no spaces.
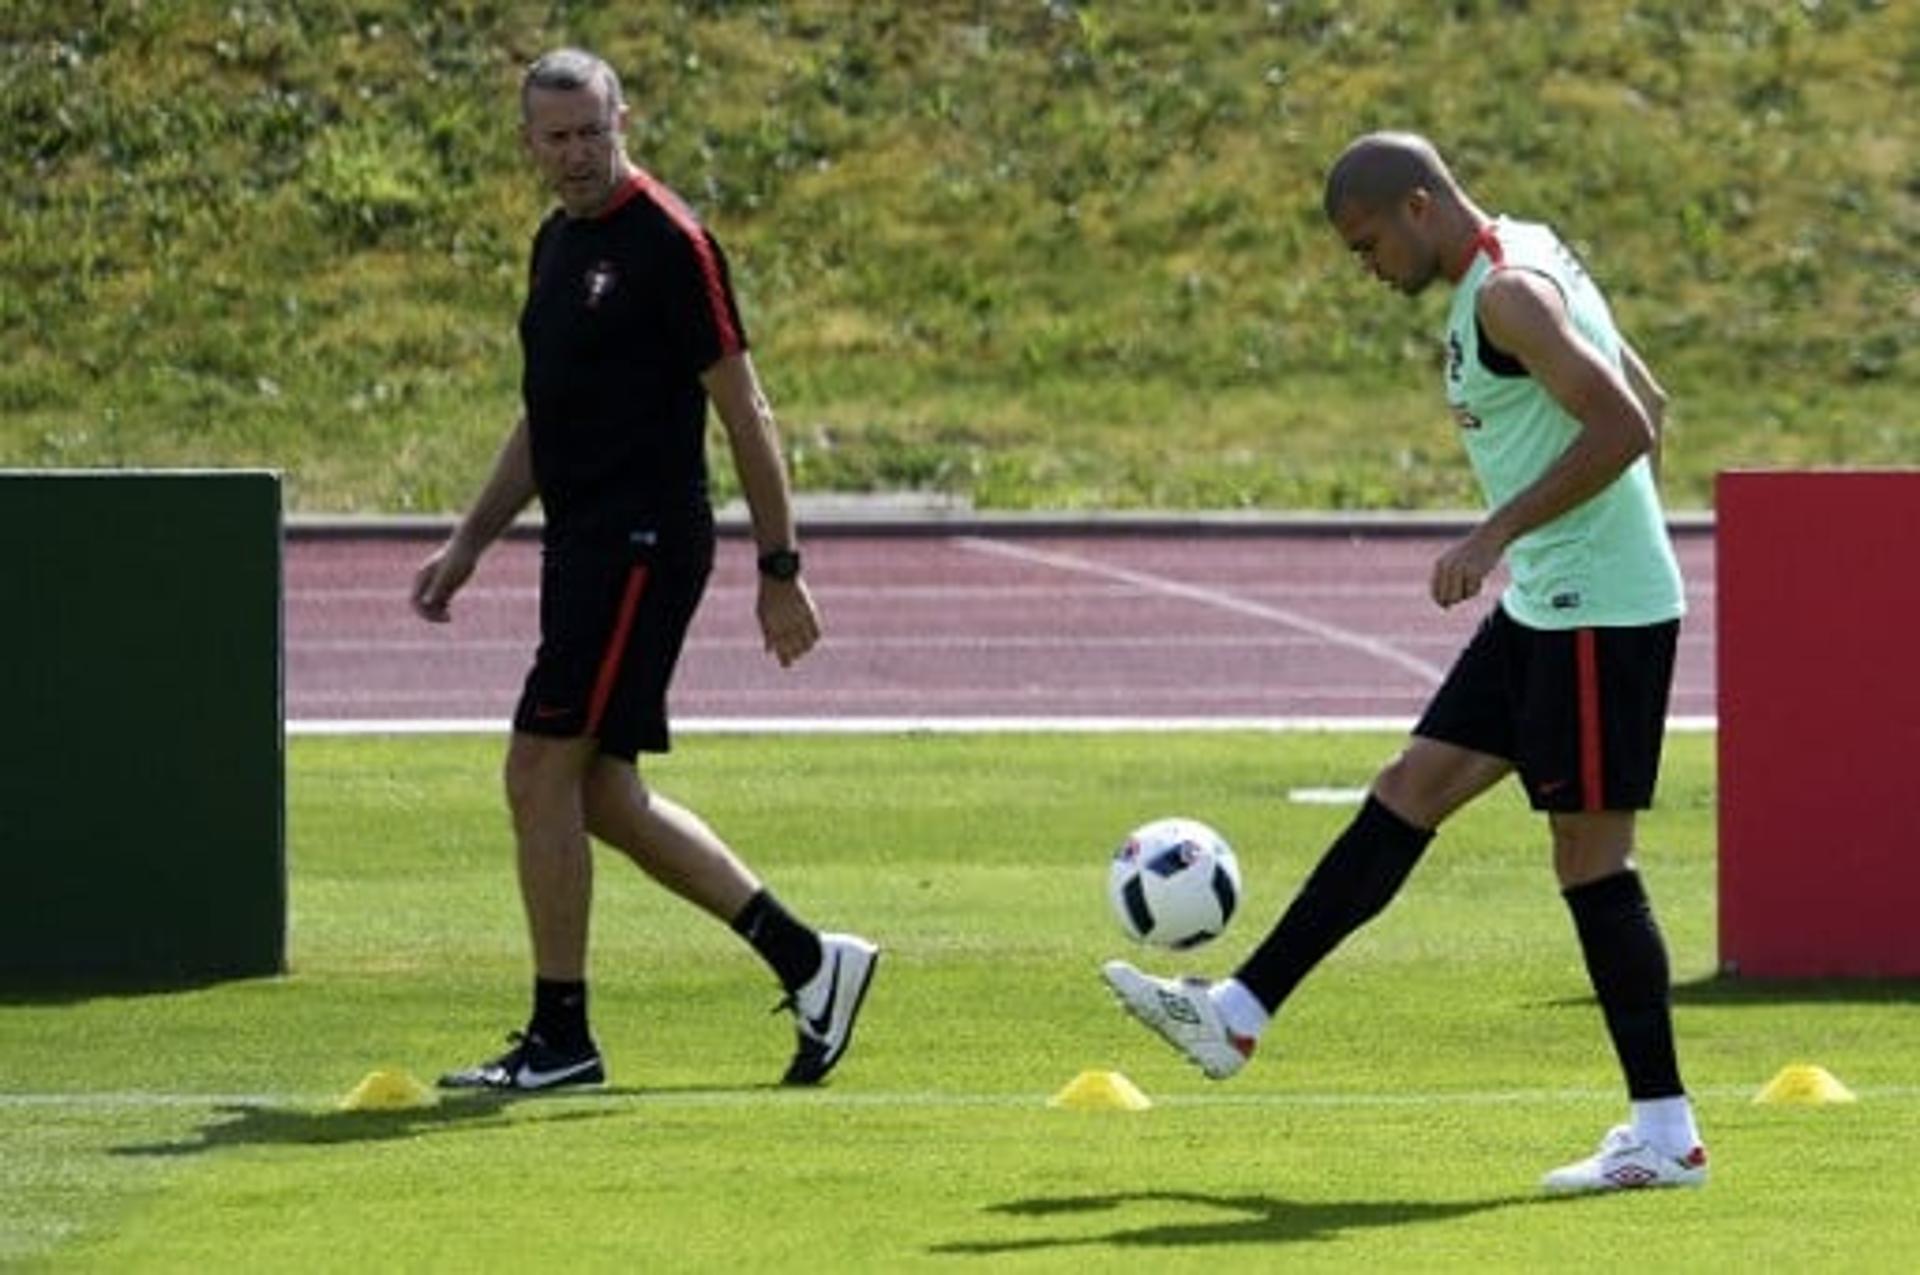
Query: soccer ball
{"x":1174,"y":883}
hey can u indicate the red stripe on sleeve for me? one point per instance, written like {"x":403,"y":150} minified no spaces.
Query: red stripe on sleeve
{"x":616,"y":647}
{"x":1586,"y":650}
{"x":696,"y":234}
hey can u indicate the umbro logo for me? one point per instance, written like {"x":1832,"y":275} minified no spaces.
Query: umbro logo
{"x":1178,"y":1008}
{"x":1631,"y":1175}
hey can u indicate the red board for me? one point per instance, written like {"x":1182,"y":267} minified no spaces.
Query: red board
{"x":1818,"y":673}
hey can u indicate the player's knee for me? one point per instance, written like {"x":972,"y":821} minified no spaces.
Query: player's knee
{"x":611,"y":793}
{"x":1589,"y":848}
{"x":537,"y":775}
{"x":1412,"y":792}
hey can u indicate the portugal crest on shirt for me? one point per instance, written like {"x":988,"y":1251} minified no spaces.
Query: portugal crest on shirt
{"x":601,"y":278}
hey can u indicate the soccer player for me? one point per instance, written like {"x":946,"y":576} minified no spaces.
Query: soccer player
{"x":1566,"y":680}
{"x":628,"y":329}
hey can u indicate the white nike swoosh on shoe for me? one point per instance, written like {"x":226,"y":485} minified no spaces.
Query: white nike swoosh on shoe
{"x":528,"y":1078}
{"x":822,"y":1023}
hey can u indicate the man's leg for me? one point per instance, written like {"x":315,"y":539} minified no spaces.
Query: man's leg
{"x":1369,"y":862}
{"x":1217,"y":1024}
{"x":825,"y":976}
{"x":543,"y":779}
{"x":670,"y":843}
{"x":1626,"y":961}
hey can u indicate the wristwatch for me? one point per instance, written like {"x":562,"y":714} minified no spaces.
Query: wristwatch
{"x":780,"y":564}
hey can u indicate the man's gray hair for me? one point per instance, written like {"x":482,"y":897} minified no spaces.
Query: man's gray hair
{"x":567,"y":70}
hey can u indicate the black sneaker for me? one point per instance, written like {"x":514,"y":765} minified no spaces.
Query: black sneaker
{"x":824,"y":1009}
{"x":531,"y":1065}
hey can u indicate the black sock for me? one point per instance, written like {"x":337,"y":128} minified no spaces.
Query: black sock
{"x":783,"y":942}
{"x":1357,"y":877}
{"x":1627,"y":961}
{"x":560,"y":1012}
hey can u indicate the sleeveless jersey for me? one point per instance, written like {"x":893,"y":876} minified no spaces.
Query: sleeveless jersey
{"x":1607,"y":562}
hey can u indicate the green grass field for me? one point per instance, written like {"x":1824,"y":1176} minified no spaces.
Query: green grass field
{"x":1396,"y":1120}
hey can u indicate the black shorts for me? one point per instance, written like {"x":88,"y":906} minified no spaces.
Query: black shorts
{"x":614,"y":613}
{"x":1581,"y":713}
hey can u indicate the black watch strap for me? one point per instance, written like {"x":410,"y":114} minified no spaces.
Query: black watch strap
{"x":780,"y":564}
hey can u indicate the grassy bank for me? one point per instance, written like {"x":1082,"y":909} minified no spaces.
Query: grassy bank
{"x":1045,"y":255}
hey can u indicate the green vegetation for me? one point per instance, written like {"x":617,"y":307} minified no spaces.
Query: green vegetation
{"x":1041,"y":254}
{"x":1396,"y":1120}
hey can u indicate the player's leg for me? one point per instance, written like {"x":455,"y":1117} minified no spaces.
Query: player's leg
{"x":588,"y":595}
{"x":825,"y":976}
{"x":543,"y":780}
{"x":1589,"y":759}
{"x":1459,"y":750}
{"x":1626,"y":960}
{"x":1367,"y":863}
{"x":667,"y":841}
{"x":543,"y":784}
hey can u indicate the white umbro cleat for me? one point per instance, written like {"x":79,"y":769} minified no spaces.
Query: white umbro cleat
{"x":1624,"y":1163}
{"x":825,"y":1008}
{"x":1183,"y":1014}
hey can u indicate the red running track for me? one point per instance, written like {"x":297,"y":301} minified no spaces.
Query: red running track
{"x":1245,"y":627}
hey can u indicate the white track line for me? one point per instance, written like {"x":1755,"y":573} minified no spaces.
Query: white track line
{"x":144,"y":1100}
{"x":1432,"y":674}
{"x":874,"y":725}
{"x":914,"y":725}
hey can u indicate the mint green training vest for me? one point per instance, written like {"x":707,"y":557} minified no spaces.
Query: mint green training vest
{"x":1605,"y":563}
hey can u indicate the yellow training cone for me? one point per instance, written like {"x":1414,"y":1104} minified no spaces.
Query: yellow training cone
{"x":387,"y":1089}
{"x":1805,"y":1085}
{"x":1100,"y":1091}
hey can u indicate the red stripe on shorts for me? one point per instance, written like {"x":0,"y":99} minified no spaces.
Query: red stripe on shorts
{"x":1586,"y":655}
{"x":616,"y":647}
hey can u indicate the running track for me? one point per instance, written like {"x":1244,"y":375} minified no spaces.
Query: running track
{"x":1002,"y":627}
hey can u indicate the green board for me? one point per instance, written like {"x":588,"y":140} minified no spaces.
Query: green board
{"x":143,"y":782}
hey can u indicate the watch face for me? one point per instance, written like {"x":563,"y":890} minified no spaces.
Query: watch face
{"x":780,"y":564}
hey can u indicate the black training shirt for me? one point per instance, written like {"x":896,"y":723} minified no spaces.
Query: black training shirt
{"x":624,"y":312}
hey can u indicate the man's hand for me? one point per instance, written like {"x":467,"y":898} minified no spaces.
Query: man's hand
{"x":1460,"y":571}
{"x":789,"y":622}
{"x":439,"y":578}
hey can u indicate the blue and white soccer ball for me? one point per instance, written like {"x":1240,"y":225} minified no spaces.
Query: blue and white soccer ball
{"x":1174,"y":883}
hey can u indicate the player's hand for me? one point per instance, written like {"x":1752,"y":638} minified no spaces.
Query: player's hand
{"x":789,"y":621}
{"x":438,"y":579}
{"x":1460,"y":571}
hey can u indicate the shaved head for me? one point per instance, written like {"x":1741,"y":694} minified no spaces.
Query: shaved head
{"x":1379,"y":169}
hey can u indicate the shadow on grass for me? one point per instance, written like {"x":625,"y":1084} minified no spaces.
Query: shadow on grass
{"x":249,"y":1124}
{"x":1724,"y":989}
{"x":73,"y":989}
{"x":1254,"y":1219}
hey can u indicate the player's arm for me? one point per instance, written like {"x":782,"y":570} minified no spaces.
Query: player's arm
{"x":1651,"y":396}
{"x":1524,"y":314}
{"x":508,"y":489}
{"x":789,"y":621}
